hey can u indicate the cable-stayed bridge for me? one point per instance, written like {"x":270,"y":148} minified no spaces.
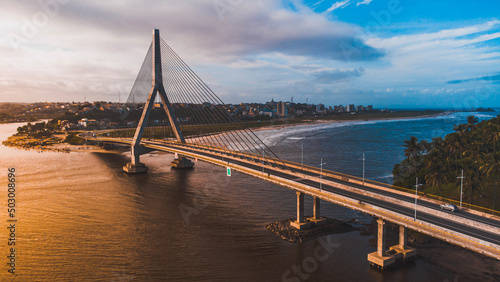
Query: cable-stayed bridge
{"x":182,"y":115}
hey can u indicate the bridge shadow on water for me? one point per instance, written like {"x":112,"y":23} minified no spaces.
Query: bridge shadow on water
{"x":161,"y":182}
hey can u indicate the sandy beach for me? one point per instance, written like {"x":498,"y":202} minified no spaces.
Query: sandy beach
{"x":326,"y":121}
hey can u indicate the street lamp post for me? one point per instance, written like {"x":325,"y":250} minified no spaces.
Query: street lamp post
{"x":302,"y":155}
{"x":263,"y":160}
{"x":416,"y":189}
{"x":461,"y":186}
{"x":321,"y":174}
{"x":363,"y":168}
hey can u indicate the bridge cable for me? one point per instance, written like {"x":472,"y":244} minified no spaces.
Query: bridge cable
{"x":216,"y":99}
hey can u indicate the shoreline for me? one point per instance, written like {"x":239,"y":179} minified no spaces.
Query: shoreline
{"x":326,"y":121}
{"x":60,"y":147}
{"x":53,"y":144}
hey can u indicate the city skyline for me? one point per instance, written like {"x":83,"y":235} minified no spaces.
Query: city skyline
{"x":385,"y":53}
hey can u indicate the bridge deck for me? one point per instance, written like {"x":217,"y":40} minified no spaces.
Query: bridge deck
{"x":471,"y":230}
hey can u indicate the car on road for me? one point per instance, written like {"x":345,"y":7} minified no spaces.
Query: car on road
{"x":449,"y":207}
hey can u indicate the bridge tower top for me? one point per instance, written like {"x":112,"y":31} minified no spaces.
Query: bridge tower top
{"x":157,"y":73}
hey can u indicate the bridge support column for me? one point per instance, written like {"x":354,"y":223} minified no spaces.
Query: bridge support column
{"x":300,"y":223}
{"x":381,"y":258}
{"x":316,"y":218}
{"x":182,"y":162}
{"x":381,"y":238}
{"x":316,"y":206}
{"x":135,"y":166}
{"x":402,"y":247}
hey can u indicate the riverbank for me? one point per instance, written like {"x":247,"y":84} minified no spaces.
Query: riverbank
{"x":23,"y":141}
{"x":52,"y":144}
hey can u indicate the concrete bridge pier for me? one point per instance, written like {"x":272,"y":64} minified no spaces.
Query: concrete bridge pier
{"x":316,"y":219}
{"x":402,"y":247}
{"x":182,"y":162}
{"x":300,"y":223}
{"x":383,"y":258}
{"x":135,"y":166}
{"x":380,"y":258}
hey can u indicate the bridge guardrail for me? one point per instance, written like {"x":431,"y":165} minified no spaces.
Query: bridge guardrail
{"x":406,"y":190}
{"x":376,"y":183}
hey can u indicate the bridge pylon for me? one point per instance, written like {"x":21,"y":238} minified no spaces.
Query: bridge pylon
{"x":135,"y":166}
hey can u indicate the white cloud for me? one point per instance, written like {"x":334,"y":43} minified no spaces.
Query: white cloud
{"x":345,"y":3}
{"x":94,"y":43}
{"x":364,"y":2}
{"x":426,"y":62}
{"x":260,"y":48}
{"x":338,"y":5}
{"x":317,"y":3}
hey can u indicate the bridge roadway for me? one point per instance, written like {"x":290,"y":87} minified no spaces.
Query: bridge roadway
{"x":409,"y":199}
{"x":484,"y":239}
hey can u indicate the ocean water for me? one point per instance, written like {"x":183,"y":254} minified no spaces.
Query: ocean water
{"x":342,"y":145}
{"x":81,"y":218}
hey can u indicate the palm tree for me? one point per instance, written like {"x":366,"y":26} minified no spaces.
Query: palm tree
{"x":434,"y":176}
{"x":424,"y":147}
{"x":437,"y":143}
{"x":491,"y":165}
{"x":454,"y":146}
{"x":471,"y":121}
{"x":474,"y":153}
{"x":412,"y":147}
{"x":459,"y":128}
{"x":472,"y":184}
{"x":494,"y":130}
{"x":437,"y":146}
{"x":412,"y":151}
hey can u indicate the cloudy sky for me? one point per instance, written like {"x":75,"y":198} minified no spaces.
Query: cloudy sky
{"x":392,"y":53}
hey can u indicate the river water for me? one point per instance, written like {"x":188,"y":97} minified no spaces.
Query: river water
{"x":80,"y":217}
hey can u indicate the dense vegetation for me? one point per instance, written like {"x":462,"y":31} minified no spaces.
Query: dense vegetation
{"x":473,"y":147}
{"x":18,"y":112}
{"x":73,"y":139}
{"x":39,"y":129}
{"x":5,"y":117}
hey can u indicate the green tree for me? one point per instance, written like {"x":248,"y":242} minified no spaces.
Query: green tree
{"x":494,"y":135}
{"x":434,"y":175}
{"x":491,"y":166}
{"x":476,"y":143}
{"x":454,"y":146}
{"x":472,"y":185}
{"x":412,"y":152}
{"x":471,"y":121}
{"x":412,"y":147}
